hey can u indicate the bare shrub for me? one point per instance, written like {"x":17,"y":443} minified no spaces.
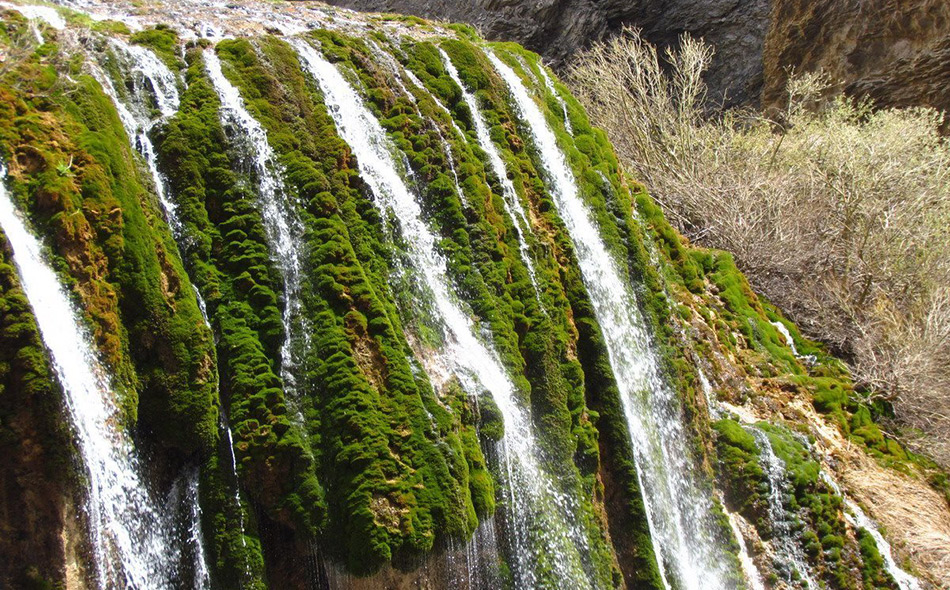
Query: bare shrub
{"x":838,"y":213}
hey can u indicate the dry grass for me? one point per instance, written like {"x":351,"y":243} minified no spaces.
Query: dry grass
{"x":838,"y":213}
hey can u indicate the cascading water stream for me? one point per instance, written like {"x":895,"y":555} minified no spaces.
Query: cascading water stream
{"x":237,"y":499}
{"x":509,"y":196}
{"x":183,"y":516}
{"x":199,"y":563}
{"x":34,"y":13}
{"x":133,"y":550}
{"x":545,"y":534}
{"x":549,"y":84}
{"x":135,"y":111}
{"x":752,"y":575}
{"x":783,"y":530}
{"x":398,"y":71}
{"x":859,"y":520}
{"x":154,"y":83}
{"x":284,"y":230}
{"x":679,"y":514}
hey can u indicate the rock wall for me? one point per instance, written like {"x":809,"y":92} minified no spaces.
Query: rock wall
{"x":898,"y":53}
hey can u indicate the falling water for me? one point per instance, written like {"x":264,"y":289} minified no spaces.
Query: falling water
{"x":783,"y":330}
{"x":182,"y":515}
{"x":678,"y":513}
{"x":284,"y":230}
{"x":196,"y":541}
{"x":560,"y":99}
{"x":238,"y":507}
{"x":509,"y":196}
{"x":859,"y":520}
{"x":133,"y":550}
{"x":398,"y":72}
{"x":34,"y":13}
{"x":152,"y":83}
{"x":783,"y":527}
{"x":435,"y":99}
{"x":545,"y":532}
{"x":752,"y":575}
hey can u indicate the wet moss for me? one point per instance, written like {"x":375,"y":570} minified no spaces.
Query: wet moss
{"x":74,"y":173}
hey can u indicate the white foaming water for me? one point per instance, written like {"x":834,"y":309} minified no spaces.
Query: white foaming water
{"x":560,"y":99}
{"x":132,"y":547}
{"x":152,"y":84}
{"x":237,"y":498}
{"x":752,"y":575}
{"x":679,"y":514}
{"x":398,"y":72}
{"x":435,"y":99}
{"x":196,"y":536}
{"x":46,"y":14}
{"x":783,"y":528}
{"x":783,"y":330}
{"x":284,"y":230}
{"x":545,"y":531}
{"x":859,"y":520}
{"x":509,"y":196}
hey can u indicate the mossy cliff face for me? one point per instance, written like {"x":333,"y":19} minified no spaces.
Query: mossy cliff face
{"x":364,"y":463}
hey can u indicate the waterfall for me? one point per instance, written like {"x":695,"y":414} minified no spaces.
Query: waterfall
{"x":284,"y":230}
{"x":752,"y":575}
{"x":34,"y":13}
{"x":560,"y":99}
{"x":132,"y":547}
{"x":135,"y":111}
{"x":398,"y":71}
{"x":237,"y":499}
{"x":859,"y":520}
{"x":679,"y":514}
{"x":783,"y":330}
{"x":199,"y":561}
{"x":154,"y":83}
{"x":545,"y":532}
{"x":509,"y":196}
{"x":785,"y":539}
{"x":182,"y":515}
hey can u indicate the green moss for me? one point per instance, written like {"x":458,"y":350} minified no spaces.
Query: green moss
{"x":740,"y":473}
{"x":226,"y":252}
{"x":163,"y":40}
{"x":80,"y":181}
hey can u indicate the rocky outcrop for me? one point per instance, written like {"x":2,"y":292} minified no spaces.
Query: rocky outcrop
{"x":898,"y":53}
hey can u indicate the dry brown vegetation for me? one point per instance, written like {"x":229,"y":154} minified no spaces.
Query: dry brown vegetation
{"x":838,"y":213}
